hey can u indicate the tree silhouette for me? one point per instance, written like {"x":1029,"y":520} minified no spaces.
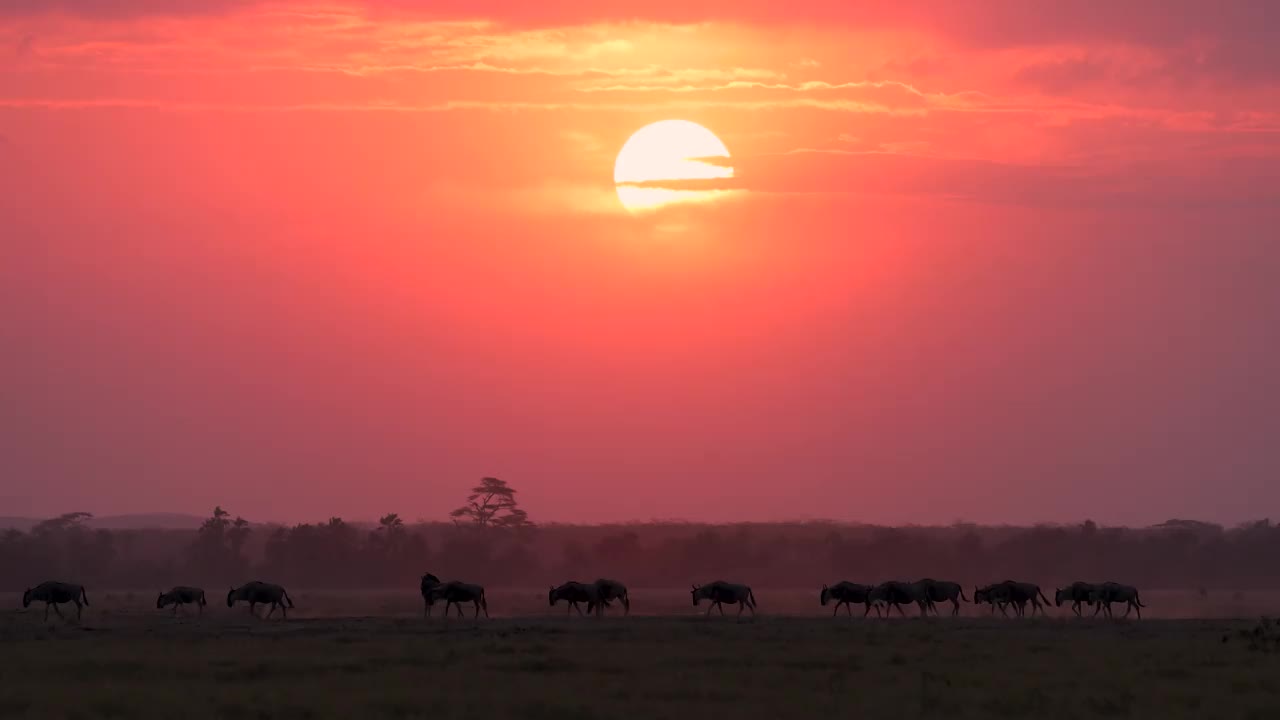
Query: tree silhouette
{"x":62,"y":523}
{"x":219,"y":544}
{"x":492,"y":503}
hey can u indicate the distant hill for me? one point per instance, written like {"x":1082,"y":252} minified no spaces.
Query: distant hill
{"x":138,"y":521}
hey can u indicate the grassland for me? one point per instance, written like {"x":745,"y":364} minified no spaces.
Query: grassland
{"x":128,"y":661}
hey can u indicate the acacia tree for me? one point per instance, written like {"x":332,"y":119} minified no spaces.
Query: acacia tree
{"x":66,"y":522}
{"x":219,"y":544}
{"x":492,"y":503}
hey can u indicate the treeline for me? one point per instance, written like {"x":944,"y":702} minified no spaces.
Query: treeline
{"x":392,"y":554}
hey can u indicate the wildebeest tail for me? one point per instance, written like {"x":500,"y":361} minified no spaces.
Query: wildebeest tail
{"x":1042,"y":597}
{"x":752,"y":596}
{"x":83,"y":595}
{"x":287,"y":598}
{"x":1136,"y":599}
{"x":483,"y":603}
{"x":962,"y":597}
{"x":202,"y":602}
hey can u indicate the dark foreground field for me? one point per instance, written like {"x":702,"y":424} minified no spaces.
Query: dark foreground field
{"x":126,"y":662}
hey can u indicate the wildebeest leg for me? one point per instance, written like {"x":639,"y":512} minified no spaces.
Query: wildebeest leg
{"x":710,"y":607}
{"x":46,"y":611}
{"x":1075,"y":608}
{"x":721,"y":606}
{"x":955,"y":607}
{"x":1137,"y":607}
{"x":458,"y":606}
{"x":848,"y":608}
{"x":272,"y":610}
{"x":899,"y":607}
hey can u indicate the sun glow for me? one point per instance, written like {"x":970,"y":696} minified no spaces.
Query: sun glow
{"x":668,"y":162}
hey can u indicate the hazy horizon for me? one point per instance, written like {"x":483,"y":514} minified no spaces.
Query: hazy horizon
{"x":1007,"y":263}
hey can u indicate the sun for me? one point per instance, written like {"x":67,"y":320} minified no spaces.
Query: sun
{"x":674,"y":152}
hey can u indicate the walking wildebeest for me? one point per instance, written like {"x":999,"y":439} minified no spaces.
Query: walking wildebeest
{"x":1110,"y":592}
{"x":182,"y":595}
{"x":429,"y":587}
{"x":573,"y":593}
{"x":1013,"y":593}
{"x":846,"y":593}
{"x":53,"y":594}
{"x":997,"y":596}
{"x":456,"y":593}
{"x":936,"y":591}
{"x":1076,"y":593}
{"x":895,"y":594}
{"x":720,"y":592}
{"x":612,"y":590}
{"x":260,"y":592}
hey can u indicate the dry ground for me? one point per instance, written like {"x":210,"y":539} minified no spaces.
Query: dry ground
{"x":128,"y":660}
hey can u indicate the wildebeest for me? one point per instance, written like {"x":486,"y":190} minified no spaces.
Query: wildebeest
{"x":260,"y":592}
{"x":430,"y":587}
{"x":456,"y":593}
{"x":1013,"y":593}
{"x":609,"y":590}
{"x":574,"y":593}
{"x":1110,"y":592}
{"x":720,"y":592}
{"x":847,"y":593}
{"x":895,"y":594}
{"x":1075,"y":593}
{"x":182,"y":595}
{"x":53,"y":594}
{"x":997,"y":596}
{"x":936,"y":591}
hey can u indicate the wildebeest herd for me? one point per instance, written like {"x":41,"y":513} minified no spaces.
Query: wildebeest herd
{"x":926,"y":593}
{"x":883,"y":598}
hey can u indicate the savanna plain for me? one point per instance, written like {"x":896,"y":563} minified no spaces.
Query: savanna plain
{"x":374,"y":655}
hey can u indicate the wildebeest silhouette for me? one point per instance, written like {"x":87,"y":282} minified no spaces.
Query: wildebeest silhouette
{"x":720,"y":592}
{"x":609,"y":590}
{"x":574,"y":593}
{"x":182,"y":595}
{"x":1112,"y":592}
{"x":53,"y":594}
{"x":261,"y":592}
{"x":847,"y":593}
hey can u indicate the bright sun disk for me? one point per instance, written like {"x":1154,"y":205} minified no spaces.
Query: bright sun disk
{"x":669,"y":150}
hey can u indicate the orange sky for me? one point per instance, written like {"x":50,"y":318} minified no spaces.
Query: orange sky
{"x":1001,"y":261}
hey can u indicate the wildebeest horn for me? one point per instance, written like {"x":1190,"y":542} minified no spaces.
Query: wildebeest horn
{"x":695,"y":587}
